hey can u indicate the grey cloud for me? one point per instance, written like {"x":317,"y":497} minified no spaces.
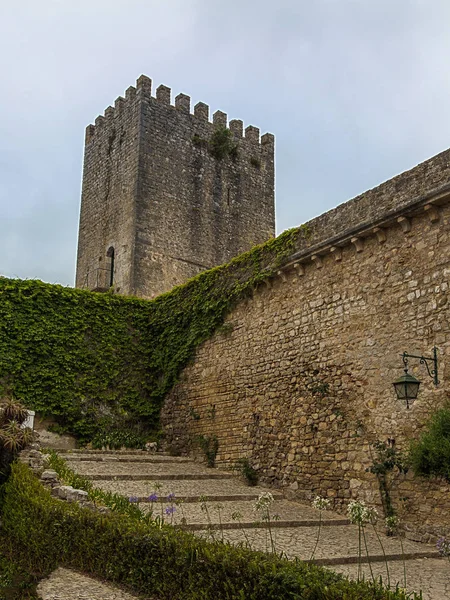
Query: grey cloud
{"x":354,"y":91}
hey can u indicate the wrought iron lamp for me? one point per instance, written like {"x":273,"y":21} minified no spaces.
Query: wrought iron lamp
{"x":407,"y":386}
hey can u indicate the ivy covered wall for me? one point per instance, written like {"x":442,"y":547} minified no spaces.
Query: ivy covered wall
{"x":98,"y":360}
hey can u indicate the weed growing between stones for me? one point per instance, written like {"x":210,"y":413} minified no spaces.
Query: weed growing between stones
{"x":210,"y":447}
{"x":244,"y":467}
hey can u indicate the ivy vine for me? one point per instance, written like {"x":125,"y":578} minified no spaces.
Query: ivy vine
{"x":98,"y":362}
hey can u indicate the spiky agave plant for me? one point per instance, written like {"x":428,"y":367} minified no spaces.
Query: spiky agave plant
{"x":13,"y":436}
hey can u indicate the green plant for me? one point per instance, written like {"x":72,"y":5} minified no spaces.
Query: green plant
{"x":255,"y":162}
{"x":430,"y":455}
{"x":97,"y":362}
{"x":210,"y":447}
{"x":243,"y":466}
{"x":319,"y":388}
{"x":193,"y":414}
{"x":263,"y":507}
{"x":116,"y":439}
{"x":158,"y":560}
{"x":100,"y":497}
{"x":13,"y":436}
{"x":222,"y":144}
{"x":320,"y":504}
{"x":226,"y":328}
{"x":387,"y":459}
{"x":306,"y":230}
{"x":199,"y":141}
{"x":16,"y":581}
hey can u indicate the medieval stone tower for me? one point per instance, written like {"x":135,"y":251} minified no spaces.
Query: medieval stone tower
{"x":167,"y":194}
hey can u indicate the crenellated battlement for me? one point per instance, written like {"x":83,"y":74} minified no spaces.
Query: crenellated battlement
{"x":169,"y":189}
{"x":201,"y":111}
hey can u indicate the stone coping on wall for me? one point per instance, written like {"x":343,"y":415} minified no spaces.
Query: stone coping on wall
{"x":392,"y":204}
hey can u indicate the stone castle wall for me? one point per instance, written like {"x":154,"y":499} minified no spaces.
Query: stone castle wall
{"x":300,"y":382}
{"x":153,"y":190}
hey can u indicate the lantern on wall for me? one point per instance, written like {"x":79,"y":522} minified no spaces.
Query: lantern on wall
{"x":407,"y":386}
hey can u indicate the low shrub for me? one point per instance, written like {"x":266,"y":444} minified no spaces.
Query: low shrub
{"x":100,"y":497}
{"x":116,"y":439}
{"x":430,"y":455}
{"x":17,"y":580}
{"x":160,"y":561}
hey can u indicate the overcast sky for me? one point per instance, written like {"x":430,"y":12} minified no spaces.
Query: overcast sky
{"x":355,"y":92}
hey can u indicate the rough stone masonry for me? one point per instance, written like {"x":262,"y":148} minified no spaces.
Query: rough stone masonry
{"x":157,"y":205}
{"x":300,"y":382}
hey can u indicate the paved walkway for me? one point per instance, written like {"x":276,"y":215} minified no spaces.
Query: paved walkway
{"x":232,"y":503}
{"x":65,"y":584}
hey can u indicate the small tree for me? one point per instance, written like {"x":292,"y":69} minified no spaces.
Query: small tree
{"x":13,"y":436}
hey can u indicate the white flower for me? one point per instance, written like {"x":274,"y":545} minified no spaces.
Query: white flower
{"x":321,"y":503}
{"x":372,"y":515}
{"x":392,"y":524}
{"x":265,"y":499}
{"x":359,"y":513}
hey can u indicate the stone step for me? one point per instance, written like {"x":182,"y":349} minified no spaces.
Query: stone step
{"x":195,"y":516}
{"x":429,"y":575}
{"x":161,"y":477}
{"x":261,"y":525}
{"x":115,"y":452}
{"x":218,"y":489}
{"x":147,"y":470}
{"x":338,"y":544}
{"x":124,"y":458}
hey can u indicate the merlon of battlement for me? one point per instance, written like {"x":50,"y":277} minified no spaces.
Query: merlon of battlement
{"x":130,"y":93}
{"x":119,"y":103}
{"x":109,"y":113}
{"x":252,"y":134}
{"x":220,"y":119}
{"x":183,"y":102}
{"x":90,"y":130}
{"x":201,"y":110}
{"x":163,"y":94}
{"x":267,"y":139}
{"x":144,"y":85}
{"x":237,"y":127}
{"x":143,"y":90}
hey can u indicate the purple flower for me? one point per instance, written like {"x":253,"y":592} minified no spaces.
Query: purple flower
{"x":153,"y":498}
{"x":170,"y":510}
{"x":443,"y":545}
{"x":133,"y":499}
{"x":170,"y":497}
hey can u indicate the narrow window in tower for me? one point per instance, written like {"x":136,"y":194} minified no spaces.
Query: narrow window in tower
{"x":228,"y":196}
{"x":110,"y":255}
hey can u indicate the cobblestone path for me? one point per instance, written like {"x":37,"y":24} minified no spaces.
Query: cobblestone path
{"x":65,"y":584}
{"x":294,"y":532}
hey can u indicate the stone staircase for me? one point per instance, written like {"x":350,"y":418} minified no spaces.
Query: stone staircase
{"x":218,"y":505}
